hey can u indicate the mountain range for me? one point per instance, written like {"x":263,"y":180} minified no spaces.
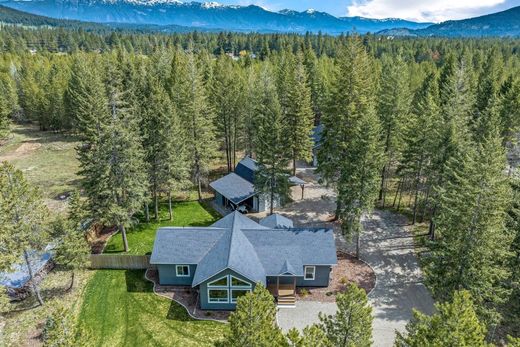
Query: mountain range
{"x":207,"y":15}
{"x":175,"y":16}
{"x":500,"y":24}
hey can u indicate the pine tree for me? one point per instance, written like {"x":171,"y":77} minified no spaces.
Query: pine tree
{"x":487,"y":97}
{"x":393,"y":109}
{"x":8,"y":103}
{"x":312,"y":336}
{"x":297,"y":111}
{"x":351,"y":326}
{"x":189,"y":95}
{"x":454,"y":324}
{"x":227,"y":98}
{"x":350,"y":153}
{"x":23,"y":216}
{"x":452,"y":133}
{"x":271,"y":179}
{"x":164,"y":146}
{"x":419,"y":144}
{"x":71,"y":247}
{"x":113,"y":163}
{"x":473,"y":244}
{"x":509,"y":109}
{"x":512,"y":306}
{"x":254,"y":322}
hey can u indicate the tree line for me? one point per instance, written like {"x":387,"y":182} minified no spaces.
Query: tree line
{"x":421,"y":123}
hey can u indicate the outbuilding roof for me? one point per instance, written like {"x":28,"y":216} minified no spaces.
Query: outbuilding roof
{"x":244,"y":246}
{"x":234,"y":188}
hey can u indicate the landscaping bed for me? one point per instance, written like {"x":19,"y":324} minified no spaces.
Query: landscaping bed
{"x":187,"y":297}
{"x":348,"y":270}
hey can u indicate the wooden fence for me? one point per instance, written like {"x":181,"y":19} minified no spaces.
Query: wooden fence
{"x":119,"y":261}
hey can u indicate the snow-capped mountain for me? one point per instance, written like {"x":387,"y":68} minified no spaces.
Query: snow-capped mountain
{"x":204,"y":15}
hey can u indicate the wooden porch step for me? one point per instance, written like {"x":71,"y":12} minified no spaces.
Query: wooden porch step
{"x":289,"y":300}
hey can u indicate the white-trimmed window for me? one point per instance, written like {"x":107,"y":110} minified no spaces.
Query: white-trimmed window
{"x":227,"y":289}
{"x":236,"y":293}
{"x":220,"y":295}
{"x":182,"y":270}
{"x":219,"y":282}
{"x":310,"y":273}
{"x":238,"y":283}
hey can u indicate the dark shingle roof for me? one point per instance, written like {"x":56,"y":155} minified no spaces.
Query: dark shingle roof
{"x":234,"y":188}
{"x":252,"y":250}
{"x":276,"y":221}
{"x":247,"y":168}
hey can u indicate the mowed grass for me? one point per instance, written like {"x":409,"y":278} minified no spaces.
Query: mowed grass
{"x":120,"y":309}
{"x":142,"y":235}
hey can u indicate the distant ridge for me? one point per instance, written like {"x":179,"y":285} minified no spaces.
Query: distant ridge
{"x":204,"y":16}
{"x":500,"y":24}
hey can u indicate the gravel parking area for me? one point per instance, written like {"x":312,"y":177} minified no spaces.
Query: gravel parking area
{"x":349,"y":269}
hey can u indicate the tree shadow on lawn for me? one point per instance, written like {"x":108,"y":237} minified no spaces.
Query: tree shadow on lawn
{"x":177,"y":312}
{"x":136,"y":283}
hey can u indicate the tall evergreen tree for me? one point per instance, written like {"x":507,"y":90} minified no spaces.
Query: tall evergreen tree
{"x":350,"y":153}
{"x":419,"y":141}
{"x":164,"y":146}
{"x":190,"y":98}
{"x":113,"y":163}
{"x":271,"y":179}
{"x":297,"y":111}
{"x":393,"y":109}
{"x":228,"y":101}
{"x":451,"y":133}
{"x":454,"y":324}
{"x":473,"y":245}
{"x":23,"y":218}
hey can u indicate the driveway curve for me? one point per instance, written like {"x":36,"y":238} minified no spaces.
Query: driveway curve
{"x":386,"y":246}
{"x":389,"y":248}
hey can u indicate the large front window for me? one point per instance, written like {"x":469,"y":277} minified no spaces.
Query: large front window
{"x":218,"y":295}
{"x":227,"y":289}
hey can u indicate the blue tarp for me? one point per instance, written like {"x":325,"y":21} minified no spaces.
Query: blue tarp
{"x":20,"y":275}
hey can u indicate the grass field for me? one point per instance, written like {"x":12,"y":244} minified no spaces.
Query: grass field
{"x":120,"y":308}
{"x":142,"y":235}
{"x":47,"y":159}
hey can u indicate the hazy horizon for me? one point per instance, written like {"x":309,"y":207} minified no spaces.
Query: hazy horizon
{"x":415,"y":10}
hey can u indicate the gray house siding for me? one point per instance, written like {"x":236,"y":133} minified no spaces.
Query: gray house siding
{"x":168,"y":275}
{"x":321,"y":278}
{"x":219,"y":200}
{"x":203,"y":292}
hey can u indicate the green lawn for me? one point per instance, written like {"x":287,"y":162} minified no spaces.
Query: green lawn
{"x":142,"y":235}
{"x":120,"y":309}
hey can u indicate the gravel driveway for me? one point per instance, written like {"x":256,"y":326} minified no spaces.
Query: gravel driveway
{"x":385,"y":245}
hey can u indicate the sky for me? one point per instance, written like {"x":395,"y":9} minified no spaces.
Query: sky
{"x":416,"y":10}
